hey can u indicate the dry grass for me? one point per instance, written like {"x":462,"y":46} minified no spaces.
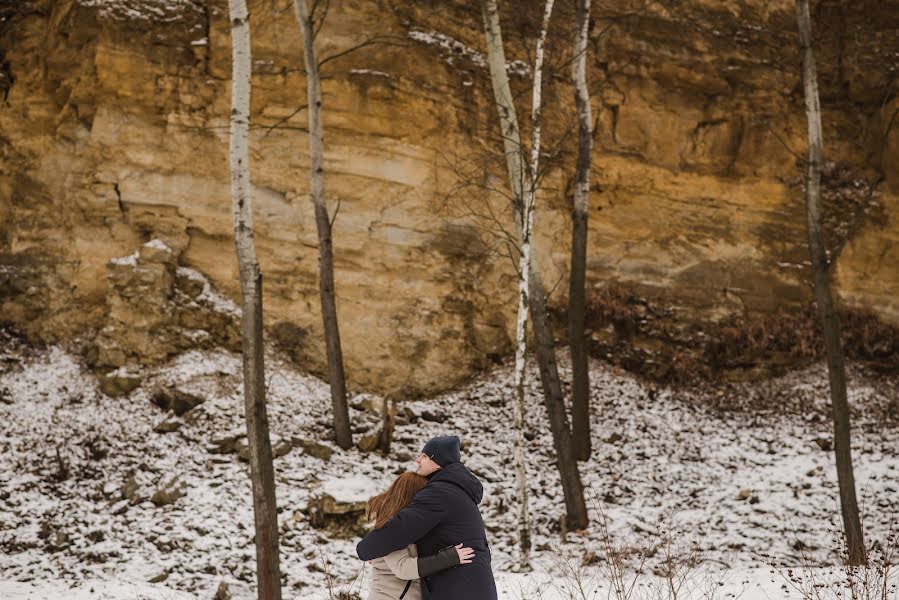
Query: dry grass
{"x":651,"y":339}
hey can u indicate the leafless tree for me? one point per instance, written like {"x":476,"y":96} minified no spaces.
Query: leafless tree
{"x":824,"y":296}
{"x":323,"y":224}
{"x":523,"y":181}
{"x":580,"y":374}
{"x":261,"y":468}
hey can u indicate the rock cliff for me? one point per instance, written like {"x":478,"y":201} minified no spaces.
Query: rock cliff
{"x":113,"y":133}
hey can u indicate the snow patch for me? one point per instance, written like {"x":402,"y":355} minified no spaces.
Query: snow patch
{"x":89,"y":590}
{"x":129,"y":261}
{"x":352,"y":488}
{"x":163,"y":11}
{"x":158,"y":245}
{"x":370,"y":72}
{"x":209,"y":296}
{"x":453,"y":50}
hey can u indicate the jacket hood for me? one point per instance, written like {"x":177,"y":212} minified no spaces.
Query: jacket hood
{"x":458,"y":474}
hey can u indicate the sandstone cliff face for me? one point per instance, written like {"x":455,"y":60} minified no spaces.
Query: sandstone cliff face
{"x":113,"y":132}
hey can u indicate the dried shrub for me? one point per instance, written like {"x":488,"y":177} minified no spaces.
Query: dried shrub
{"x":653,"y":340}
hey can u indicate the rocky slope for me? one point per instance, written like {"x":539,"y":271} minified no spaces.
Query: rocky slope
{"x":98,"y":488}
{"x":113,"y":133}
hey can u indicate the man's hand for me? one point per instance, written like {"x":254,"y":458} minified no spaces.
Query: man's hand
{"x":465,"y":554}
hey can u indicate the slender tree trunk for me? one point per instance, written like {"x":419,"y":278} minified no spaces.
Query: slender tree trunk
{"x":580,"y":374}
{"x":520,"y":182}
{"x":572,"y":487}
{"x":518,"y":409}
{"x":261,"y":468}
{"x":323,"y":224}
{"x":824,"y":298}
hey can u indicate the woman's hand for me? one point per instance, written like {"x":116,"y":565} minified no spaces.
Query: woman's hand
{"x":465,"y":554}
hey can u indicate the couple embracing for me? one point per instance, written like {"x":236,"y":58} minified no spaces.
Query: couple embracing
{"x":429,"y":540}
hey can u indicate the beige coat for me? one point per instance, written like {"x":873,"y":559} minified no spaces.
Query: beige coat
{"x":391,"y":573}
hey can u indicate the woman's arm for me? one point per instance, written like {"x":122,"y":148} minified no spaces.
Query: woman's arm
{"x":402,"y":564}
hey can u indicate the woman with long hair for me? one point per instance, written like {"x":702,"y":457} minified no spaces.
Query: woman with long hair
{"x":396,"y":576}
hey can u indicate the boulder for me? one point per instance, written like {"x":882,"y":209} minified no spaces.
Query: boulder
{"x":280,"y":449}
{"x":176,"y":400}
{"x":227,"y":444}
{"x":369,"y":404}
{"x":370,"y":441}
{"x":435,"y":416}
{"x":168,"y":426}
{"x":168,"y":493}
{"x":341,"y":518}
{"x":222,"y":592}
{"x":312,"y":448}
{"x":130,"y":488}
{"x":824,"y":443}
{"x":120,"y":382}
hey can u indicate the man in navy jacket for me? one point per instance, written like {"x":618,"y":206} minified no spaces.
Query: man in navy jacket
{"x":444,"y":513}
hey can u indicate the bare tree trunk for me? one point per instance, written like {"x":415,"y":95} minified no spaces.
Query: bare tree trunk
{"x":572,"y":487}
{"x":323,"y":224}
{"x":823,"y":296}
{"x":580,"y":375}
{"x":522,"y":186}
{"x":388,"y":423}
{"x":261,"y":468}
{"x":518,"y":410}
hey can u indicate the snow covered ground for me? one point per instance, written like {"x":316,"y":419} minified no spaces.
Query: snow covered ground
{"x":719,"y":476}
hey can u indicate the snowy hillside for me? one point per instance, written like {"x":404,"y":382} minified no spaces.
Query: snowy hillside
{"x":94,"y":488}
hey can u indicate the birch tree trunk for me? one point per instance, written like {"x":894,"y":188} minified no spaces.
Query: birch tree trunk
{"x":823,"y":296}
{"x":261,"y":468}
{"x":580,"y":375}
{"x":531,"y":291}
{"x":323,"y":225}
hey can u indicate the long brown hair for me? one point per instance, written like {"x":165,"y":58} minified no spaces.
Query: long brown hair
{"x":384,"y":506}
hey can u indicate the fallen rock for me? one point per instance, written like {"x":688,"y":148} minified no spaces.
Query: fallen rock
{"x":58,"y":541}
{"x":129,"y":488}
{"x":281,"y":448}
{"x":120,"y":382}
{"x":168,"y":493}
{"x":411,"y":414}
{"x":341,"y":519}
{"x":824,"y":443}
{"x":168,"y":426}
{"x":176,"y":400}
{"x":159,"y":578}
{"x":319,"y":451}
{"x":370,"y":441}
{"x":222,"y":593}
{"x":227,"y":444}
{"x":435,"y":416}
{"x":369,"y":404}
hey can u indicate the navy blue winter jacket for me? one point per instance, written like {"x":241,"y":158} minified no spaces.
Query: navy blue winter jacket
{"x":444,"y":513}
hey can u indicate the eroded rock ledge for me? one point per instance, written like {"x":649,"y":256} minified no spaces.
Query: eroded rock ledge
{"x":113,"y":133}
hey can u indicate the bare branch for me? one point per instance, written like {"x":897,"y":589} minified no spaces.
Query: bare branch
{"x":387,"y":40}
{"x":284,"y":120}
